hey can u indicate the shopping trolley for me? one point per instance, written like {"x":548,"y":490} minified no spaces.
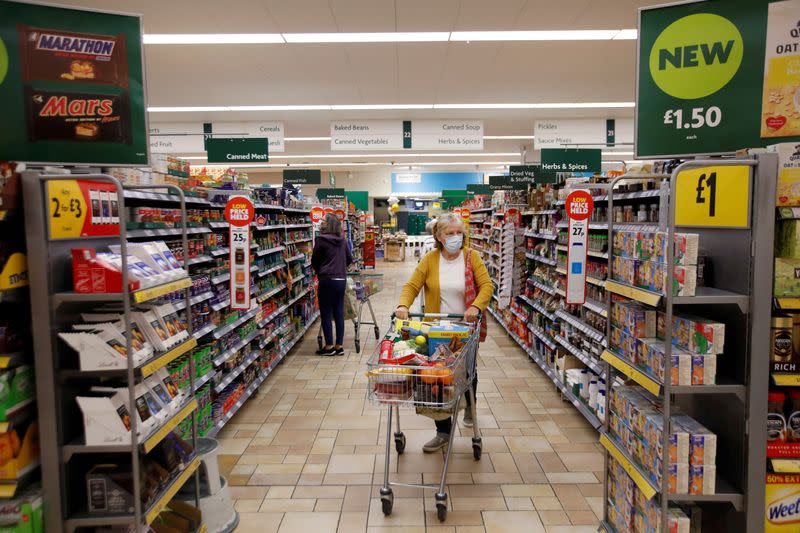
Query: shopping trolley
{"x":436,"y":387}
{"x":360,"y":286}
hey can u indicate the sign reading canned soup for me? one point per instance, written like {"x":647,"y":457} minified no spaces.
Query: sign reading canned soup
{"x":239,"y":212}
{"x":445,"y":135}
{"x":579,"y":206}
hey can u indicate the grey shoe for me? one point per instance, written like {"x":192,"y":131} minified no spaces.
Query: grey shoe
{"x":436,"y":443}
{"x":468,"y":421}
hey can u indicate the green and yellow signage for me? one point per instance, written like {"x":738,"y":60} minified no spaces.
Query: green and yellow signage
{"x":700,"y":77}
{"x":71,"y":88}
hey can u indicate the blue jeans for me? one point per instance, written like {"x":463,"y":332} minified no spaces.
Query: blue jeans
{"x":331,"y":305}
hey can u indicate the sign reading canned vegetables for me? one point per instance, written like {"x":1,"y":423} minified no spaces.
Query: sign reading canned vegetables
{"x":82,"y":208}
{"x":71,"y":82}
{"x":579,"y":207}
{"x":239,"y":212}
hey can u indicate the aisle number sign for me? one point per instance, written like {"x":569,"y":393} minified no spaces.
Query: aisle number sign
{"x":579,"y":207}
{"x":713,"y":196}
{"x":239,"y":212}
{"x":82,"y":208}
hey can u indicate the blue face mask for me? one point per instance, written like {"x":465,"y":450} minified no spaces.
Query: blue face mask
{"x":453,"y":243}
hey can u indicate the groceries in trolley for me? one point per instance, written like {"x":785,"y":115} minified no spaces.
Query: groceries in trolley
{"x":420,"y":361}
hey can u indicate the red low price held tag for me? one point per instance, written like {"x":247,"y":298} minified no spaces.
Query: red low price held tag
{"x":239,"y":212}
{"x":579,"y":206}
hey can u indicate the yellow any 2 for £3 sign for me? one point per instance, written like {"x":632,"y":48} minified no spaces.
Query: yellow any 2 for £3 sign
{"x":713,"y":196}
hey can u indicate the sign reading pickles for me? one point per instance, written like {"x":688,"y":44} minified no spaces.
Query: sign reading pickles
{"x":71,"y":84}
{"x":698,"y":78}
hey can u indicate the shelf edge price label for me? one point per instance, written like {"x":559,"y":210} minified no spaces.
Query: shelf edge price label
{"x":579,"y":207}
{"x":239,"y":212}
{"x":713,"y":196}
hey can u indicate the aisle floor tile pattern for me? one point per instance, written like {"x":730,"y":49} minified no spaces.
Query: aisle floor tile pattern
{"x":306,"y":454}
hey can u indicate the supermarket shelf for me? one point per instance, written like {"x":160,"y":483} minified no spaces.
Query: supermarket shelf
{"x":224,"y":356}
{"x":202,"y":297}
{"x":536,"y":305}
{"x":220,"y":251}
{"x":293,"y":300}
{"x":593,"y":364}
{"x":227,"y":328}
{"x":164,"y":232}
{"x":199,"y":259}
{"x":262,"y":273}
{"x":785,"y":465}
{"x":163,"y":197}
{"x":639,"y":476}
{"x":479,"y":237}
{"x":582,"y":326}
{"x":204,"y":331}
{"x":269,"y":338}
{"x":10,"y":488}
{"x":561,"y":292}
{"x":268,"y":251}
{"x":725,"y":493}
{"x":202,"y":380}
{"x":221,"y":278}
{"x":542,"y":336}
{"x":634,"y":293}
{"x":543,"y":286}
{"x":712,"y":296}
{"x":139,"y":296}
{"x":221,"y":305}
{"x":596,"y":307}
{"x":163,"y":359}
{"x":270,"y":227}
{"x":627,"y":368}
{"x":270,"y":317}
{"x":482,"y":210}
{"x":219,"y":225}
{"x":236,"y":372}
{"x":271,"y":292}
{"x":787,"y":304}
{"x":295,"y":258}
{"x":298,"y":226}
{"x":546,"y":236}
{"x":170,"y":492}
{"x":540,"y":259}
{"x":579,"y":405}
{"x":298,"y":241}
{"x":787,"y":213}
{"x":147,"y":443}
{"x":595,"y":281}
{"x":592,"y":225}
{"x":293,"y":209}
{"x":544,"y":212}
{"x":518,"y":314}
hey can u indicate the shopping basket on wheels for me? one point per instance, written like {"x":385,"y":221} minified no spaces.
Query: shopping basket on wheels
{"x":433,"y":384}
{"x":360,"y":286}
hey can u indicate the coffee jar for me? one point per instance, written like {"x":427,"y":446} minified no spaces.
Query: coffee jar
{"x":781,"y":345}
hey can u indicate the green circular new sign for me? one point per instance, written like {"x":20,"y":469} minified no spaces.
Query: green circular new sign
{"x":696,"y":56}
{"x":3,"y":61}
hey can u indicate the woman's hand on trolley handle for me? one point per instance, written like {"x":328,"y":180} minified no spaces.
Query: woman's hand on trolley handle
{"x":401,"y":312}
{"x":471,"y":314}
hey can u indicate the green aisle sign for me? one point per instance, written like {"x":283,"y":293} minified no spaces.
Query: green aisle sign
{"x":360,"y":199}
{"x":532,"y":174}
{"x":239,"y":150}
{"x":328,"y":193}
{"x":302,"y":176}
{"x":479,"y":188}
{"x":507,"y":183}
{"x":700,"y":78}
{"x":71,"y":86}
{"x":571,"y":160}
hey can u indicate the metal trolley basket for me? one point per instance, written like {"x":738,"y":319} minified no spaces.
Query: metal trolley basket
{"x":360,"y":286}
{"x":434,"y":390}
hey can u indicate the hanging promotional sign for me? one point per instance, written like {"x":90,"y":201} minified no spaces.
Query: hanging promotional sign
{"x":714,"y":196}
{"x":330,"y":194}
{"x":237,"y":150}
{"x":82,"y":208}
{"x":71,"y":83}
{"x":698,"y":62}
{"x":239,"y":212}
{"x":302,"y":176}
{"x":190,"y":137}
{"x":579,"y":206}
{"x":368,"y":249}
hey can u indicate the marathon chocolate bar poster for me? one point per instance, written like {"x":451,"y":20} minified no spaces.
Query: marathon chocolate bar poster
{"x":73,"y":88}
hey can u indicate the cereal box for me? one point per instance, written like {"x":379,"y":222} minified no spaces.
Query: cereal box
{"x":787,"y":277}
{"x":788,"y":189}
{"x":702,"y":479}
{"x":702,"y":442}
{"x":704,"y":369}
{"x":695,"y":334}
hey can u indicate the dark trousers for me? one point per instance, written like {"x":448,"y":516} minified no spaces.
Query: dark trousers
{"x":331,"y":306}
{"x":446,"y":425}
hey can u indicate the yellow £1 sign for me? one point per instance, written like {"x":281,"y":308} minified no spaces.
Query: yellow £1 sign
{"x":713,"y":196}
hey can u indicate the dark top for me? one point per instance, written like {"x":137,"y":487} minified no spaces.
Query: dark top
{"x":331,"y":256}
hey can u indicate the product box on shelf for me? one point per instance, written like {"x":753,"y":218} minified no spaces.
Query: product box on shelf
{"x":787,"y":277}
{"x":787,"y":239}
{"x":782,"y":510}
{"x":694,"y":334}
{"x":19,"y":389}
{"x":19,"y":455}
{"x":23,"y":514}
{"x":108,"y":489}
{"x":788,"y":190}
{"x":652,"y":276}
{"x":652,"y":246}
{"x":634,"y":318}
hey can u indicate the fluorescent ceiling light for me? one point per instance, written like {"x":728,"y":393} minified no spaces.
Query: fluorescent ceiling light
{"x":547,"y":35}
{"x":389,"y":37}
{"x":507,"y":137}
{"x":386,"y":37}
{"x":213,"y":38}
{"x":386,"y":107}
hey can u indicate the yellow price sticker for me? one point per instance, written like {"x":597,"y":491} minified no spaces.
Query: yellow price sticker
{"x":713,"y":196}
{"x":66,"y":209}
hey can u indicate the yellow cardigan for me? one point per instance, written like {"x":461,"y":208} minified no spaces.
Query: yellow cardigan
{"x":427,"y":275}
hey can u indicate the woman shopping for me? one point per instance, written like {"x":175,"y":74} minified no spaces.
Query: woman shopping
{"x":456,"y":281}
{"x":330,"y":260}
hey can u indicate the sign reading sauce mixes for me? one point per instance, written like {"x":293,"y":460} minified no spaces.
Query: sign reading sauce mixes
{"x":71,"y":84}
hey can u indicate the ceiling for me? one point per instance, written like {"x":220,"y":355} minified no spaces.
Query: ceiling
{"x":386,"y":73}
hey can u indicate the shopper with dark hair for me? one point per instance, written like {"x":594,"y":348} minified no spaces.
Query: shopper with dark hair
{"x":330,"y":260}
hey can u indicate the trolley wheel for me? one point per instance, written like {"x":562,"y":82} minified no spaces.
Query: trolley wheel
{"x":399,"y":442}
{"x":441,"y":511}
{"x":358,"y":346}
{"x":377,"y":333}
{"x":477,"y":448}
{"x":387,"y":502}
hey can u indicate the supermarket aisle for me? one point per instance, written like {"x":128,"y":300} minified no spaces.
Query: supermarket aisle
{"x":303,"y":455}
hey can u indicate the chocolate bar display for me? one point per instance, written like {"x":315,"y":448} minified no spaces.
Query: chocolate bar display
{"x":55,"y":55}
{"x":66,"y":115}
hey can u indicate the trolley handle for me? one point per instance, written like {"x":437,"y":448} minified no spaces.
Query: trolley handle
{"x":436,"y":315}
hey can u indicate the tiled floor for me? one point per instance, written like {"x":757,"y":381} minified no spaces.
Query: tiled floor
{"x":307,"y":453}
